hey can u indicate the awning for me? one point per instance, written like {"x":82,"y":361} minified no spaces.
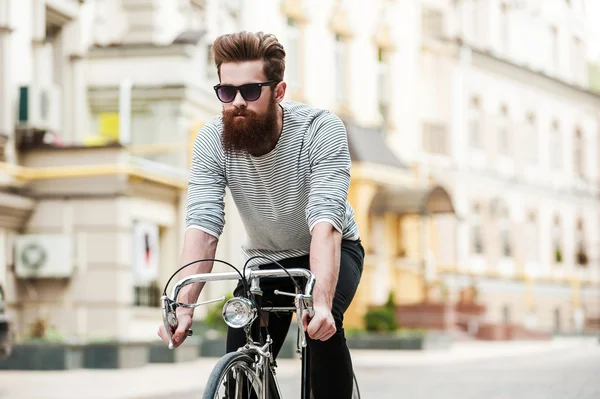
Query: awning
{"x":412,"y":200}
{"x":368,"y":145}
{"x":403,"y":196}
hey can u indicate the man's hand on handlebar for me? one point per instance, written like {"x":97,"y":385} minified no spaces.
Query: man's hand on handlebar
{"x":184,"y":323}
{"x":321,"y":326}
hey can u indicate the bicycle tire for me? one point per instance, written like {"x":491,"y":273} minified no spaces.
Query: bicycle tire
{"x":223,"y":367}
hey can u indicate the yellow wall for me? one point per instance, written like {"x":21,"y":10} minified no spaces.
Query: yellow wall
{"x":400,"y":233}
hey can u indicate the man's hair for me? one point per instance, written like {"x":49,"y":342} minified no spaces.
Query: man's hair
{"x":250,"y":46}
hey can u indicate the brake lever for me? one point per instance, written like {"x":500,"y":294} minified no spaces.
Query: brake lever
{"x":301,"y":302}
{"x":170,"y":316}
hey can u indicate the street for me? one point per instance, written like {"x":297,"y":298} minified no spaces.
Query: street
{"x":559,"y":369}
{"x":563,"y":373}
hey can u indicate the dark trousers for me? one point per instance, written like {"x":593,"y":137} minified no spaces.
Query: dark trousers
{"x":330,"y":363}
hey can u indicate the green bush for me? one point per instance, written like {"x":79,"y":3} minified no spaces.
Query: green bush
{"x":391,"y":302}
{"x":380,"y":320}
{"x":214,"y":316}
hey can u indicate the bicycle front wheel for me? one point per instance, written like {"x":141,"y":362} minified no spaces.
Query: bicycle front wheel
{"x":233,"y":377}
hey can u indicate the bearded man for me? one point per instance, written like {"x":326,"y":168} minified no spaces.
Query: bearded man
{"x":287,"y":166}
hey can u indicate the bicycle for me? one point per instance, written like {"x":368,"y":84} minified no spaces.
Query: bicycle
{"x":251,"y":370}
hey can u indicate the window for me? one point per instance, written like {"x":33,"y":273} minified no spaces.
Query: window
{"x":506,"y":247}
{"x":476,"y":14}
{"x":531,"y":150}
{"x":475,"y":122}
{"x":383,"y":82}
{"x":578,"y":59}
{"x":555,"y":143}
{"x":555,"y":43}
{"x":581,"y":257}
{"x":147,"y":295}
{"x":477,"y":230}
{"x":579,"y":154}
{"x":432,"y":23}
{"x":435,"y":138}
{"x":504,"y":32}
{"x":504,"y":133}
{"x":340,"y":69}
{"x":146,"y":259}
{"x":292,"y":53}
{"x":556,"y":241}
{"x":531,"y":238}
{"x":506,"y":314}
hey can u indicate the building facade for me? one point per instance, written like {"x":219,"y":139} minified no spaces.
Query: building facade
{"x":474,"y":152}
{"x":510,"y":124}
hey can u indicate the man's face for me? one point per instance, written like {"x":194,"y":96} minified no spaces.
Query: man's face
{"x":249,"y":125}
{"x":237,"y":74}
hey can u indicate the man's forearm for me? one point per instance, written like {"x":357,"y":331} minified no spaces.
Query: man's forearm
{"x":325,"y":262}
{"x":196,"y":245}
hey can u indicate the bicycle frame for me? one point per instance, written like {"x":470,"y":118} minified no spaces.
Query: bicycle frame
{"x":254,"y":345}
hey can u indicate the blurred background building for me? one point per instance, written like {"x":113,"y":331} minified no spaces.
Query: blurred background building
{"x":473,"y":127}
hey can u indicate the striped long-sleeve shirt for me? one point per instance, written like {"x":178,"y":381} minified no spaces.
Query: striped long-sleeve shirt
{"x":282,"y":195}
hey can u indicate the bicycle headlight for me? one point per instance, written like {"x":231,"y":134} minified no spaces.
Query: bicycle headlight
{"x":238,"y":312}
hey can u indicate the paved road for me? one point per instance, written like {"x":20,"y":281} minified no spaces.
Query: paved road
{"x":563,"y":374}
{"x":561,"y":369}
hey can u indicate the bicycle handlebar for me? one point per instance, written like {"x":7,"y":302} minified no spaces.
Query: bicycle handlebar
{"x":303,"y":301}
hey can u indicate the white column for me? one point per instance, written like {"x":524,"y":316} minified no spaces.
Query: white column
{"x":38,"y":35}
{"x":72,"y":47}
{"x":7,"y":93}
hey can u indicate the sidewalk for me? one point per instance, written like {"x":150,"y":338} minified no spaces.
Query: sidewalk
{"x":155,"y":380}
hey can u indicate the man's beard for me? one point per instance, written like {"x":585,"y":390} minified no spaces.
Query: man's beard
{"x":254,"y":134}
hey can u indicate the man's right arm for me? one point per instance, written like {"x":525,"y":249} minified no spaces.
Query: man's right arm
{"x":205,"y":219}
{"x":196,"y":245}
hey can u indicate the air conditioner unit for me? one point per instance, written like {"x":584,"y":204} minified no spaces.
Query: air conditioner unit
{"x":44,"y":256}
{"x":39,"y":107}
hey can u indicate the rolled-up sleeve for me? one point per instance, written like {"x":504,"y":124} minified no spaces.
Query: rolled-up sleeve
{"x":206,"y":184}
{"x":330,"y":172}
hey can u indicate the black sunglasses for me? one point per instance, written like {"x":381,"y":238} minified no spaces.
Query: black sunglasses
{"x":249,"y":91}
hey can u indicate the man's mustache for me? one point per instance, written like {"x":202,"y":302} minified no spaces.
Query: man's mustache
{"x":239,"y":112}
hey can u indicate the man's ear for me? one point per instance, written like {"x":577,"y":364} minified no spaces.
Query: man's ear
{"x":280,"y":91}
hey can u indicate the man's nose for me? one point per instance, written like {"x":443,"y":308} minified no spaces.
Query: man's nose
{"x":239,"y":101}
